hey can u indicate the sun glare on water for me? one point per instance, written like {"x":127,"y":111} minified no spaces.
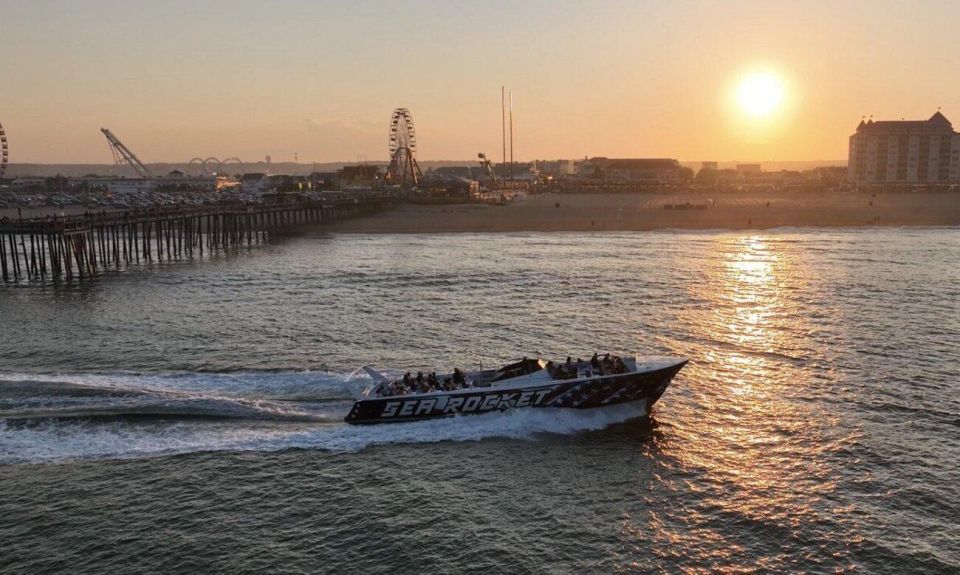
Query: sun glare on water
{"x":760,"y":94}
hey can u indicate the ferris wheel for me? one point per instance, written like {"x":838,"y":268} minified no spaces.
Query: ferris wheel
{"x":4,"y":151}
{"x":403,"y":169}
{"x":402,"y":134}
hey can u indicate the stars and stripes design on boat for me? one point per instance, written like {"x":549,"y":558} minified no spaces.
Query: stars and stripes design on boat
{"x":528,"y":383}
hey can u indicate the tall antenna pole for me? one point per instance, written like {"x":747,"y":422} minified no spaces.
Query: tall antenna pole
{"x":511,"y":135}
{"x":503,"y":127}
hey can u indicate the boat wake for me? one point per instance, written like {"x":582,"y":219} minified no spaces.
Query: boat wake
{"x":63,"y":417}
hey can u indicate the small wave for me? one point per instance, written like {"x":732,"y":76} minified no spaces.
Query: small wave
{"x":772,"y":355}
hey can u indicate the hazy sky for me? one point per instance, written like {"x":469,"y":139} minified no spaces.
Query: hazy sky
{"x":179,"y":79}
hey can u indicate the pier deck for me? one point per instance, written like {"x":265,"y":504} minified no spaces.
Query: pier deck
{"x":81,"y":246}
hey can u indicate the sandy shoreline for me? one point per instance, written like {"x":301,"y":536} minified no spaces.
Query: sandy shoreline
{"x":621,"y":212}
{"x":645,"y":211}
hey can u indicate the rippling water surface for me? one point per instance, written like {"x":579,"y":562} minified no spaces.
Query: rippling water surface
{"x":188,"y":417}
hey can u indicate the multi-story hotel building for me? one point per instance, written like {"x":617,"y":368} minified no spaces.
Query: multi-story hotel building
{"x":905,"y":152}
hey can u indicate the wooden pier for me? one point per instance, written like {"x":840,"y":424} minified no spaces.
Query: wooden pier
{"x":69,"y":247}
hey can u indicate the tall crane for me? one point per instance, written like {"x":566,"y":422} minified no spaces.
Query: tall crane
{"x":123,"y":155}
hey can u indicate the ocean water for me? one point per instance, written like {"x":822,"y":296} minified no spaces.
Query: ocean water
{"x":187,"y":417}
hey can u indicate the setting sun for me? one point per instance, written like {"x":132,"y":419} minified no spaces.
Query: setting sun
{"x":760,"y":94}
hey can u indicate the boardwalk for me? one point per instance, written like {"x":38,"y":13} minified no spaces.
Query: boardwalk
{"x":82,"y":246}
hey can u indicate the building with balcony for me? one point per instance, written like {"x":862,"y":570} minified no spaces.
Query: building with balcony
{"x":904,"y":152}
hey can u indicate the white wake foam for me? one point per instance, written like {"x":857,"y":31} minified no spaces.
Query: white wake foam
{"x":281,"y":384}
{"x":58,"y":441}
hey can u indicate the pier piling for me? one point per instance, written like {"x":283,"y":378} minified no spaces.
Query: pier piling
{"x":82,"y":246}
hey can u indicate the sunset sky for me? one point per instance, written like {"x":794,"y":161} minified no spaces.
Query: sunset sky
{"x":180,"y":79}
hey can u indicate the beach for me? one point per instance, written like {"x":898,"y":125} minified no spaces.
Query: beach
{"x":646,"y":211}
{"x":577,"y":212}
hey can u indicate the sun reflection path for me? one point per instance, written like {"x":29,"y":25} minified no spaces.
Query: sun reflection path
{"x":746,"y":441}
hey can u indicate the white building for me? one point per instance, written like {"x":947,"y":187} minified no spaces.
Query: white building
{"x":636,"y":170}
{"x":905,"y":152}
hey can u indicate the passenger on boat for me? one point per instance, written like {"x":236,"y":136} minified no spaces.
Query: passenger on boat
{"x":612,"y":365}
{"x":419,"y":383}
{"x":618,"y":365}
{"x":458,"y":379}
{"x":561,"y":371}
{"x":595,"y":361}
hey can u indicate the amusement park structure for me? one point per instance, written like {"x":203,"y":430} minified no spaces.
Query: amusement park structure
{"x":403,"y":169}
{"x":487,"y":166}
{"x":4,"y":152}
{"x":123,"y":155}
{"x":217,"y":165}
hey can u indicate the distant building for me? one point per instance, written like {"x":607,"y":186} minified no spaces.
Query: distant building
{"x":455,"y":171}
{"x":436,"y":184}
{"x":709,"y":165}
{"x":515,"y":170}
{"x":359,"y":176}
{"x":323,"y":181}
{"x":827,"y":174}
{"x":557,"y":168}
{"x":635,"y":170}
{"x":284,"y":183}
{"x":749,"y":168}
{"x":904,"y":152}
{"x":255,"y":183}
{"x":24,"y":184}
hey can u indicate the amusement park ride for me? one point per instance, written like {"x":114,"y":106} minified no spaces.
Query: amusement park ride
{"x":4,"y":152}
{"x":218,"y":165}
{"x":123,"y":155}
{"x":403,"y":170}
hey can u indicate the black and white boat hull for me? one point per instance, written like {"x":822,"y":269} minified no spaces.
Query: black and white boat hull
{"x":643,"y":385}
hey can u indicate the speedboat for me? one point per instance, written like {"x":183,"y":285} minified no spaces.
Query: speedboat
{"x":528,"y":383}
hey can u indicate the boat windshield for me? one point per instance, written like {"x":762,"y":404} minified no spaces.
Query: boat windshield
{"x":523,"y":367}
